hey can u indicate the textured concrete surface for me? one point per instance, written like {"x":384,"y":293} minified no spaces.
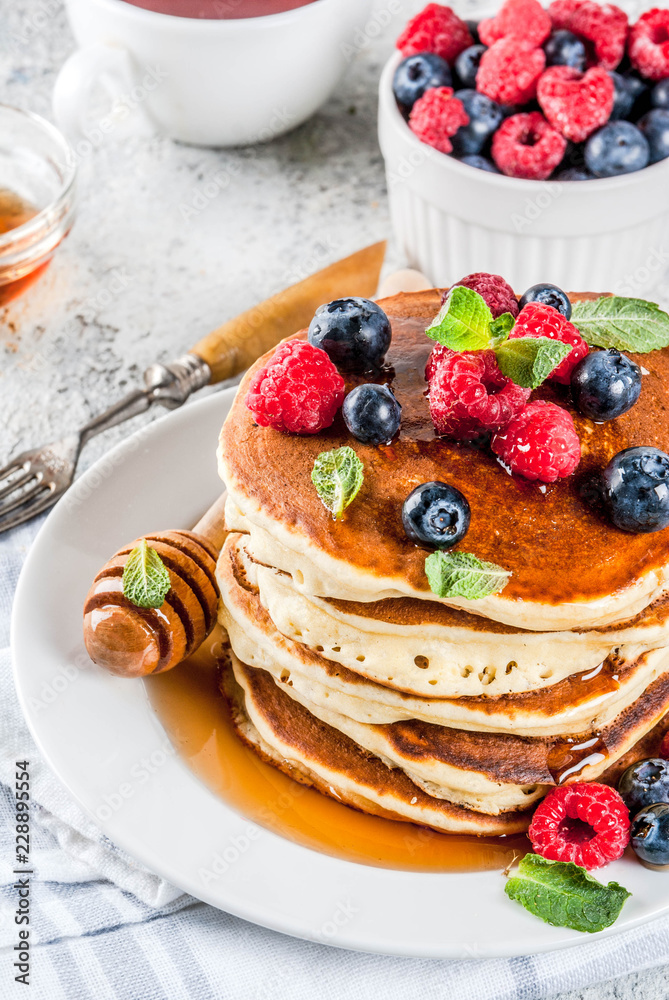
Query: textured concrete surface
{"x":155,"y":261}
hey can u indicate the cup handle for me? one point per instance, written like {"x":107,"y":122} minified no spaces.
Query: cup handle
{"x":94,"y":65}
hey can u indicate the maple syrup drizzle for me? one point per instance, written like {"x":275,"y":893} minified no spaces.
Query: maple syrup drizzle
{"x":195,"y":717}
{"x":570,"y":756}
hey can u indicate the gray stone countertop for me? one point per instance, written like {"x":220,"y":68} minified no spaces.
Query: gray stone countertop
{"x":154,"y":261}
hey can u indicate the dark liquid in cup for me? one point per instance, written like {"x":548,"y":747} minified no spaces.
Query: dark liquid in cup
{"x":219,"y":10}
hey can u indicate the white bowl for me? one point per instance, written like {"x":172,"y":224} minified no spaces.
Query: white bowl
{"x":207,"y":82}
{"x":450,"y":219}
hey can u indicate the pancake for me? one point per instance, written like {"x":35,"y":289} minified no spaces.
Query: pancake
{"x":286,"y":735}
{"x":424,"y":648}
{"x":483,"y":773}
{"x":579,"y":703}
{"x":570,"y":567}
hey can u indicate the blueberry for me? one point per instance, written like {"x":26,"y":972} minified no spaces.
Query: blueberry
{"x":617,"y":148}
{"x":467,"y":64}
{"x":354,"y":332}
{"x":436,"y":514}
{"x":655,"y":127}
{"x":548,"y":295}
{"x":605,"y":384}
{"x":575,"y":174}
{"x":627,"y":90}
{"x":416,"y":74}
{"x":650,"y":835}
{"x":634,"y":489}
{"x":485,"y":117}
{"x":481,"y":162}
{"x":659,"y":95}
{"x":372,"y":414}
{"x":565,"y":49}
{"x":473,"y":29}
{"x":644,"y":783}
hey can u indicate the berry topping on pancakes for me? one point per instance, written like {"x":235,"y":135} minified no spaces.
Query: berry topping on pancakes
{"x":548,"y":295}
{"x":538,"y":320}
{"x":354,"y":333}
{"x":469,"y":395}
{"x":372,"y":414}
{"x":436,"y":514}
{"x":605,"y":384}
{"x":497,"y":293}
{"x":635,"y":489}
{"x":299,"y":390}
{"x":540,"y":443}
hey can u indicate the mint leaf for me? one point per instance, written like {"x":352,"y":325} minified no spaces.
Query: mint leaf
{"x":337,"y":476}
{"x":626,"y":324}
{"x":500,"y":328}
{"x":528,"y":361}
{"x":564,"y":895}
{"x":461,"y":574}
{"x":463,"y":322}
{"x":146,"y":579}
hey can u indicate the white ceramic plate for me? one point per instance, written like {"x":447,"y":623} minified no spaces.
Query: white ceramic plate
{"x":95,"y":730}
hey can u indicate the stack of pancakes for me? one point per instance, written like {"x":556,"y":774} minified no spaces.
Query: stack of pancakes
{"x":348,"y":673}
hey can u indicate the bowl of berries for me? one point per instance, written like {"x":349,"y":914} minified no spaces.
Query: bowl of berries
{"x":490,"y":131}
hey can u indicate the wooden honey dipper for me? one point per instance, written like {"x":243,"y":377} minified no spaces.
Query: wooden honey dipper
{"x":133,"y":641}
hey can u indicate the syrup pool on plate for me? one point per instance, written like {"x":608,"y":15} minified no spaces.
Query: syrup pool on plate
{"x":195,"y":717}
{"x":219,"y":10}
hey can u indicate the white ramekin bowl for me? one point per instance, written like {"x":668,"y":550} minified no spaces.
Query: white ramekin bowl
{"x":451,"y":219}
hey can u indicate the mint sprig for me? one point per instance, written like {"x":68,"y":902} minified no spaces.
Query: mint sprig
{"x":500,"y":328}
{"x":461,"y":574}
{"x":465,"y":323}
{"x":337,"y":476}
{"x":528,"y":361}
{"x":146,"y":579}
{"x":564,"y":895}
{"x":627,"y":324}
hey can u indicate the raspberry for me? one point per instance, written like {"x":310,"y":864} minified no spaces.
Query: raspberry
{"x":540,"y":443}
{"x":576,"y":104}
{"x":436,"y":29}
{"x":468,"y":393}
{"x":603,"y":25}
{"x":299,"y":390}
{"x":509,"y":70}
{"x":538,"y":320}
{"x":436,"y":116}
{"x":523,"y":18}
{"x":497,"y":293}
{"x":526,"y":146}
{"x":586,"y":823}
{"x":664,"y":747}
{"x":648,"y":45}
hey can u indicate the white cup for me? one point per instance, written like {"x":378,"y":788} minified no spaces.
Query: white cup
{"x":206,"y":82}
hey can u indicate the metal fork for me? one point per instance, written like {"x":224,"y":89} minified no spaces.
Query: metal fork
{"x":34,"y":480}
